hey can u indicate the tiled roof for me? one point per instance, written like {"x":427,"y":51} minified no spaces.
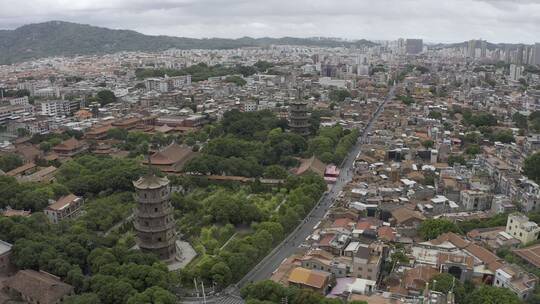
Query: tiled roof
{"x":451,"y":237}
{"x":417,"y":278}
{"x":172,"y":154}
{"x":62,"y":202}
{"x":68,"y":145}
{"x":312,"y":278}
{"x":21,"y":169}
{"x":311,"y":164}
{"x":42,"y":287}
{"x":404,"y":214}
{"x":150,"y":182}
{"x":530,"y":254}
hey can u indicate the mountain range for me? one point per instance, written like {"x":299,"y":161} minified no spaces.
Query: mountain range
{"x":59,"y":38}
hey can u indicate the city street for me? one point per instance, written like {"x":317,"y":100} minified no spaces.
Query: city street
{"x":264,"y":269}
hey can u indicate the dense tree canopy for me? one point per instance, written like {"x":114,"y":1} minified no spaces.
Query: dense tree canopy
{"x":445,"y":283}
{"x":432,"y":228}
{"x":92,"y":174}
{"x":28,"y":196}
{"x":266,"y":292}
{"x":339,"y":95}
{"x":531,"y":167}
{"x":105,"y":97}
{"x":198,"y":72}
{"x":269,"y":216}
{"x":10,"y":161}
{"x":492,"y":295}
{"x":480,"y":119}
{"x":243,"y":144}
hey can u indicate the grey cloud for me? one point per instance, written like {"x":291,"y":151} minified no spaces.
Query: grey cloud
{"x":433,"y":20}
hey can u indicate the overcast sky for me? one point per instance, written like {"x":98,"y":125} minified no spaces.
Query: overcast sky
{"x":432,"y":20}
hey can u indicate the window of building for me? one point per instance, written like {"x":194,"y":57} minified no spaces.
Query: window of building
{"x":155,"y":209}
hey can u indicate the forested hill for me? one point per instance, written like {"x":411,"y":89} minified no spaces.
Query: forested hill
{"x":58,"y":38}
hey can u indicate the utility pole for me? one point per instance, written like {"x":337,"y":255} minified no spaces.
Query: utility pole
{"x":203,"y":294}
{"x":196,"y":287}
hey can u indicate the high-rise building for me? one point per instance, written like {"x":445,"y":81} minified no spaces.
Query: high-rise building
{"x":298,"y":117}
{"x":154,"y":221}
{"x":520,"y":55}
{"x":516,"y":72}
{"x":536,"y":51}
{"x":471,"y":48}
{"x":414,"y":46}
{"x":483,"y":49}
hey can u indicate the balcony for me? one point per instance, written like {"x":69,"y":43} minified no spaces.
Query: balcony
{"x":153,"y":229}
{"x":152,"y":214}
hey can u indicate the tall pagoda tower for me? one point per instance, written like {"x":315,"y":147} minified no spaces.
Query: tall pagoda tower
{"x":154,"y":221}
{"x":298,"y":117}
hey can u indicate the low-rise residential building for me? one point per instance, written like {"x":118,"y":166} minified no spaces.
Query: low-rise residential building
{"x":316,"y":280}
{"x":473,"y":200}
{"x":66,"y":207}
{"x":59,"y":107}
{"x":519,"y":226}
{"x":6,"y":267}
{"x":517,"y":280}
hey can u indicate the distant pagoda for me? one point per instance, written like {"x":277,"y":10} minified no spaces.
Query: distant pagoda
{"x":299,"y":117}
{"x":154,"y":221}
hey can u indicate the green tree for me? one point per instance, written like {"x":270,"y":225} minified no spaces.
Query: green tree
{"x":275,"y":171}
{"x":21,"y":132}
{"x":472,"y":149}
{"x":339,"y":95}
{"x":435,"y":115}
{"x":428,"y":144}
{"x":520,"y":120}
{"x":85,"y":298}
{"x":105,"y":97}
{"x":492,"y":295}
{"x":45,"y":146}
{"x":221,"y":274}
{"x":265,"y":291}
{"x":154,"y":295}
{"x":117,"y":133}
{"x":432,"y":228}
{"x":262,"y":65}
{"x":399,"y":256}
{"x":10,"y":161}
{"x":531,"y":167}
{"x":406,"y":99}
{"x":445,"y":283}
{"x":504,"y":136}
{"x":239,"y":81}
{"x":115,"y":291}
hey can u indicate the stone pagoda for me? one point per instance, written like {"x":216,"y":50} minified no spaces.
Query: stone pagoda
{"x":299,"y":117}
{"x":154,"y":220}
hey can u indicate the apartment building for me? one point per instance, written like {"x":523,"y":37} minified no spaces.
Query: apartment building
{"x":519,"y":226}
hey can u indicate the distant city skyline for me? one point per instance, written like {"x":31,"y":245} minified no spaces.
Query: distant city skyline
{"x":510,"y":21}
